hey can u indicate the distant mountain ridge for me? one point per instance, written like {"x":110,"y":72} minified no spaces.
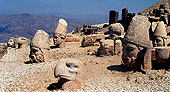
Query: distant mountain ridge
{"x":27,"y":24}
{"x":92,"y":17}
{"x":154,"y":6}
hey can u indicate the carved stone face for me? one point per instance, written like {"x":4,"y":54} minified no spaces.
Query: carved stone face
{"x":23,"y":42}
{"x":159,"y":42}
{"x":39,"y":55}
{"x":69,"y":69}
{"x":58,"y":39}
{"x":130,"y":54}
{"x":36,"y":54}
{"x":11,"y":42}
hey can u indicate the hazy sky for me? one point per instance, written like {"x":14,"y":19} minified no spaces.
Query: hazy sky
{"x":76,"y":7}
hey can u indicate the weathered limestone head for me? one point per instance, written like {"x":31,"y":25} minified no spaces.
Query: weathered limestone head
{"x":70,"y":73}
{"x":164,"y":6}
{"x":3,"y":50}
{"x":12,"y":42}
{"x":60,"y":33}
{"x":116,"y":29}
{"x":160,"y":35}
{"x":136,"y":40}
{"x":40,"y":47}
{"x":161,"y":54}
{"x":23,"y":42}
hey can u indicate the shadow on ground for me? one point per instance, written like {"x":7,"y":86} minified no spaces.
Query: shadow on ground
{"x":28,"y":62}
{"x":123,"y":68}
{"x":120,"y":68}
{"x":54,"y":86}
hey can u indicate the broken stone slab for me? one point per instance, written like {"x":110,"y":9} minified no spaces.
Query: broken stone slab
{"x":106,"y":48}
{"x":89,"y":40}
{"x":72,"y":38}
{"x":110,"y":47}
{"x":168,"y":30}
{"x":168,"y":40}
{"x":99,"y":25}
{"x":118,"y":48}
{"x":51,"y":42}
{"x":153,"y":26}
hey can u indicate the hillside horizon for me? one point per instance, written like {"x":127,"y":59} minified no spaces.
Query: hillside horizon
{"x":25,"y":25}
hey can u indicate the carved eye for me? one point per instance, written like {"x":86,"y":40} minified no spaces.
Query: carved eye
{"x":62,"y":37}
{"x":55,"y":36}
{"x":23,"y":39}
{"x":68,"y":65}
{"x":76,"y":66}
{"x":71,"y":65}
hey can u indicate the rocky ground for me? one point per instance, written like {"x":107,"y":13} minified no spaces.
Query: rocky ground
{"x":102,"y":74}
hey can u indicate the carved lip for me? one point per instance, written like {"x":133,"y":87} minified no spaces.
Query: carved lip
{"x":64,"y":77}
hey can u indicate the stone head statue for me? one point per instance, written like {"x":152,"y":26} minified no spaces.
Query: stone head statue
{"x":116,"y":29}
{"x":60,"y":33}
{"x":3,"y":50}
{"x":23,"y":42}
{"x":40,"y":47}
{"x":136,"y":42}
{"x":160,"y":35}
{"x":164,"y":6}
{"x":70,"y":73}
{"x":12,"y":42}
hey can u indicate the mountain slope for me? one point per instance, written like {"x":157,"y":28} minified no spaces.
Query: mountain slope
{"x":26,"y":25}
{"x":154,"y":6}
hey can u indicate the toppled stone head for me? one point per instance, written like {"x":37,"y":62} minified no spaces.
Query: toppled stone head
{"x":60,"y":33}
{"x":116,"y":30}
{"x":3,"y":50}
{"x":136,"y":42}
{"x":164,"y":6}
{"x":12,"y":42}
{"x":40,"y":47}
{"x":23,"y":42}
{"x":160,"y":35}
{"x":70,"y":73}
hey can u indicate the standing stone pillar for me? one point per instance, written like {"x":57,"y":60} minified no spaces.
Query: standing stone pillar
{"x":113,"y":17}
{"x":124,"y":13}
{"x":168,"y":19}
{"x":147,"y":59}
